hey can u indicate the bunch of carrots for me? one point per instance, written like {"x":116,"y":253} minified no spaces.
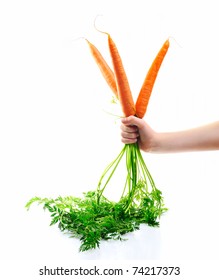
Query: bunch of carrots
{"x":94,"y":217}
{"x":138,"y":175}
{"x":118,"y":81}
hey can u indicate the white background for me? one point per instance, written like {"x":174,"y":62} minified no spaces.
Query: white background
{"x":56,"y":137}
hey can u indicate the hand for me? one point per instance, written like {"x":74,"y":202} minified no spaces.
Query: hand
{"x":135,"y":130}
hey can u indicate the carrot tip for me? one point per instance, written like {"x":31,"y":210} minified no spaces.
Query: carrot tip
{"x":95,"y":26}
{"x":171,"y":37}
{"x":79,"y":38}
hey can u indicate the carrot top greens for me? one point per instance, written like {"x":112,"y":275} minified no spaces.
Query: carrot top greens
{"x":93,"y":221}
{"x":93,"y":217}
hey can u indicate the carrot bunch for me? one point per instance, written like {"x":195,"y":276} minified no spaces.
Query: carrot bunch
{"x":118,"y":81}
{"x":94,"y":217}
{"x":138,"y":177}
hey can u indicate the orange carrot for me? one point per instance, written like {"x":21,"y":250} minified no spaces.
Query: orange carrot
{"x":104,"y":67}
{"x":123,"y":89}
{"x":145,"y":92}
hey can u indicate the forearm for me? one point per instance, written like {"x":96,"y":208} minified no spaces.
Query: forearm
{"x":203,"y":138}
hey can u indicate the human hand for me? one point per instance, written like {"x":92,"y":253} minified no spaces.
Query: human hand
{"x":135,"y":130}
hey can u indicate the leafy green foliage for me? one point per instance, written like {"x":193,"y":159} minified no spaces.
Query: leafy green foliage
{"x":93,"y":217}
{"x":93,"y":221}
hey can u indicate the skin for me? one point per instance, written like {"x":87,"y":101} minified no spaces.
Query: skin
{"x":203,"y":138}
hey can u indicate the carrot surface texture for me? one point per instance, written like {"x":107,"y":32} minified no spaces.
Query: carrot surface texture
{"x":94,"y":217}
{"x":123,"y":89}
{"x":104,"y":67}
{"x":145,"y":92}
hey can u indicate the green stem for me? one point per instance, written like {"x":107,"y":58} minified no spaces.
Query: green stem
{"x":137,"y":179}
{"x":114,"y":162}
{"x":132,"y":171}
{"x":144,"y":168}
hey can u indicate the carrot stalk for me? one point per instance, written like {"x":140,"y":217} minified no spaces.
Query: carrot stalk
{"x":104,"y":67}
{"x":145,"y":92}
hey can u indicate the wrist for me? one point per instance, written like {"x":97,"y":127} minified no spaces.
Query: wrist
{"x":151,"y":143}
{"x":160,"y":143}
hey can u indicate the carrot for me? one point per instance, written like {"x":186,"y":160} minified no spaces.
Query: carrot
{"x":104,"y":67}
{"x":145,"y":92}
{"x":123,"y":89}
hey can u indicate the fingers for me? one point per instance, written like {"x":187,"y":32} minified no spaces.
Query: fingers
{"x":128,"y":139}
{"x":132,"y":120}
{"x":129,"y":129}
{"x":129,"y":133}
